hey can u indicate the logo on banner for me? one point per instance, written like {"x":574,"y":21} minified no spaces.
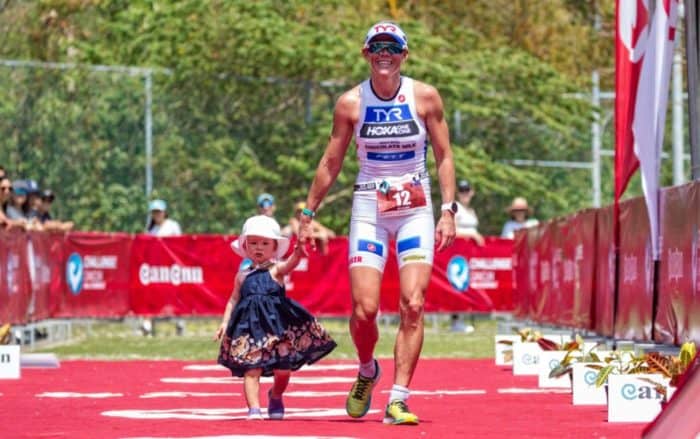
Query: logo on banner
{"x":170,"y":274}
{"x":458,"y":273}
{"x":74,"y":273}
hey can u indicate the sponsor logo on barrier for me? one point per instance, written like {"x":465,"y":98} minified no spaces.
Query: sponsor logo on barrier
{"x":74,"y":273}
{"x":589,"y":377}
{"x":556,"y":263}
{"x":87,"y":272}
{"x":13,"y":273}
{"x":170,"y":274}
{"x":545,"y":271}
{"x":458,"y":273}
{"x":631,"y":392}
{"x":675,"y":265}
{"x":553,"y":364}
{"x":629,"y":269}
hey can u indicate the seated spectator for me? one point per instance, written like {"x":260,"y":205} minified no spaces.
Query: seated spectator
{"x":44,"y":214}
{"x":466,"y":219}
{"x":320,"y":233}
{"x":160,"y":224}
{"x":519,"y":218}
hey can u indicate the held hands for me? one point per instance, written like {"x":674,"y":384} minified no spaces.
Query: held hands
{"x":445,"y":231}
{"x":305,"y":234}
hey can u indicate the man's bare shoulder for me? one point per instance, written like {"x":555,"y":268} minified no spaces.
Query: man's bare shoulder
{"x":348,"y":104}
{"x":425,"y":91}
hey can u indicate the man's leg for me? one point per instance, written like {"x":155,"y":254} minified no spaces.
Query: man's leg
{"x":365,"y":285}
{"x":414,"y":279}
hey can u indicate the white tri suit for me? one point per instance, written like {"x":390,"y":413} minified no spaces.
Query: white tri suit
{"x":392,"y":190}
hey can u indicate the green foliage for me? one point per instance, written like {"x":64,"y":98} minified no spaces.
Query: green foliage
{"x":245,"y":103}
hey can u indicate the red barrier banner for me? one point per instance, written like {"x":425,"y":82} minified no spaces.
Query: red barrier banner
{"x":45,"y":268}
{"x":541,"y":297}
{"x":468,"y":277}
{"x":581,"y":254}
{"x":636,"y":281}
{"x":604,"y":294}
{"x":183,"y":275}
{"x":15,"y":284}
{"x":193,"y":275}
{"x":676,"y":264}
{"x":95,"y":281}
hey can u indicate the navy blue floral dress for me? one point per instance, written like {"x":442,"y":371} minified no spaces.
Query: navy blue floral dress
{"x":267,"y":330}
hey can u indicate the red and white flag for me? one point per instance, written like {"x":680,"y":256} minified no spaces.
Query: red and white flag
{"x":644,"y":46}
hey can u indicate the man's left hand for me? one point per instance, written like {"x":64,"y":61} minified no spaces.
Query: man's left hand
{"x":445,"y":231}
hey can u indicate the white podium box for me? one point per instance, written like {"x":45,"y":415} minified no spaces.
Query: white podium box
{"x":526,"y":358}
{"x":549,"y":360}
{"x":501,"y":348}
{"x":583,"y":388}
{"x":631,"y":399}
{"x":9,"y":362}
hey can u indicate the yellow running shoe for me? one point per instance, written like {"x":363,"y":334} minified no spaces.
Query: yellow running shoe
{"x":360,"y":397}
{"x":397,"y":413}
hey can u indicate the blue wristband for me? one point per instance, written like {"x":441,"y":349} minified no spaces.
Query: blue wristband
{"x":308,"y":212}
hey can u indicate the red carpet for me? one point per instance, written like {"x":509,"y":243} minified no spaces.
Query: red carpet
{"x":453,"y":398}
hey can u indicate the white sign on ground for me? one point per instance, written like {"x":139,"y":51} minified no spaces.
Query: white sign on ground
{"x":549,"y":360}
{"x":583,"y":388}
{"x":9,"y":362}
{"x":502,"y":348}
{"x":631,"y":399}
{"x":526,"y":358}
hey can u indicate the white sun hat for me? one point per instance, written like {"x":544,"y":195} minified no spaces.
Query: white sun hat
{"x":265,"y":226}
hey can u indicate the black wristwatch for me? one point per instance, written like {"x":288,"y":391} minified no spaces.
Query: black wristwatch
{"x":450,"y":207}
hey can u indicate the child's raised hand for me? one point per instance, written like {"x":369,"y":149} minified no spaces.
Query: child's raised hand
{"x":220,"y":332}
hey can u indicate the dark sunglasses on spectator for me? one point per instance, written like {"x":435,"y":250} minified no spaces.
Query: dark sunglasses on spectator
{"x":378,"y":46}
{"x":6,"y":188}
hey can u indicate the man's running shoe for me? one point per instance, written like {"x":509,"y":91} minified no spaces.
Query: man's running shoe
{"x":360,"y":397}
{"x":397,"y":413}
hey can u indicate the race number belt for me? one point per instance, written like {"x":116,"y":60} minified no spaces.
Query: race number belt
{"x":374,"y":185}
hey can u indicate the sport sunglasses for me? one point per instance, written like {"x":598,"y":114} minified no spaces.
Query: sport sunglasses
{"x":378,"y":46}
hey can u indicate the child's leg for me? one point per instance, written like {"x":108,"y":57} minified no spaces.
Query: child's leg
{"x":251,"y":387}
{"x":280,"y":383}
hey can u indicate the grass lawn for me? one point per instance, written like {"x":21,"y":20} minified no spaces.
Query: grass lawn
{"x":123,"y":340}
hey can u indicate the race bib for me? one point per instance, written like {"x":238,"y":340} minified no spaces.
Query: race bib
{"x":397,"y":197}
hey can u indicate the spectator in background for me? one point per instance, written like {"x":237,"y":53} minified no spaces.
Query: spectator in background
{"x":47,"y":198}
{"x":466,"y":219}
{"x":5,"y":194}
{"x":266,"y":205}
{"x":320,"y":233}
{"x":519,"y":212}
{"x":14,"y":209}
{"x":3,"y":172}
{"x":160,"y":224}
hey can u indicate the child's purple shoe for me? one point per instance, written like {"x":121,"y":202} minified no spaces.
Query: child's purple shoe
{"x":275,"y":407}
